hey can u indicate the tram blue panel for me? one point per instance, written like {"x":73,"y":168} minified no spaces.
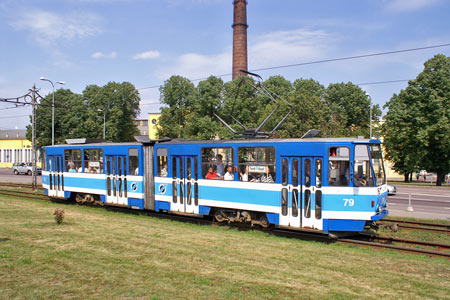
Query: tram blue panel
{"x":337,"y":202}
{"x":383,"y":214}
{"x":66,"y":195}
{"x":91,"y":183}
{"x":103,"y":198}
{"x":345,"y":225}
{"x":257,"y":197}
{"x":139,"y":186}
{"x":45,"y":192}
{"x":162,"y":205}
{"x":135,"y":202}
{"x":203,"y":210}
{"x":273,"y":218}
{"x":163,"y":189}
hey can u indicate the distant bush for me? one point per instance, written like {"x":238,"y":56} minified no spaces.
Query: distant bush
{"x":59,"y":215}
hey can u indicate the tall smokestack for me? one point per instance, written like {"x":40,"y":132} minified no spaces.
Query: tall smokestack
{"x":239,"y":37}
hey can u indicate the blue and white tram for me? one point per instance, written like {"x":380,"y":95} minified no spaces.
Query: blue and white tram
{"x":325,"y":185}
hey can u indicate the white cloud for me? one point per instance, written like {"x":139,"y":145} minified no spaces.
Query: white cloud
{"x":272,"y":49}
{"x":48,"y":27}
{"x":408,"y":5}
{"x":99,"y":55}
{"x":147,"y":55}
{"x":282,"y":47}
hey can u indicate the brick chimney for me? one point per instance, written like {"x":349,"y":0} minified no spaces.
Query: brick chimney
{"x":239,"y":37}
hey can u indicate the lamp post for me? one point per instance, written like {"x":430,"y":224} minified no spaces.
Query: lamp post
{"x":104,"y":122}
{"x":53,"y":105}
{"x":370,"y":132}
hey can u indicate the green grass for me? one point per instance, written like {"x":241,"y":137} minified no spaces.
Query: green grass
{"x":98,"y":254}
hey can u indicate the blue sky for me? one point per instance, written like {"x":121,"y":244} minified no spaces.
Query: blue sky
{"x":144,"y":42}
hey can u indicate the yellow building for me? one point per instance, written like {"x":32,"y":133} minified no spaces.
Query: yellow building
{"x":153,"y":120}
{"x":14,"y":147}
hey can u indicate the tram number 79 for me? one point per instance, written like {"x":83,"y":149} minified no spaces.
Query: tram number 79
{"x":349,"y":202}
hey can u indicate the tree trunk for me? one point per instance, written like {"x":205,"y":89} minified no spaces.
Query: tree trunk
{"x":406,"y":177}
{"x":439,"y":178}
{"x":411,"y":177}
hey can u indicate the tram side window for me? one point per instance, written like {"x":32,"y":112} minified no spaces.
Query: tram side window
{"x":44,"y":160}
{"x":257,"y":164}
{"x":362,"y":174}
{"x":339,"y":166}
{"x":93,"y":161}
{"x":162,"y":162}
{"x":133,"y":161}
{"x":215,"y":162}
{"x":72,"y":158}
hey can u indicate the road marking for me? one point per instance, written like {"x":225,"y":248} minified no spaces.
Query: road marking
{"x":416,"y":199}
{"x":430,"y":195}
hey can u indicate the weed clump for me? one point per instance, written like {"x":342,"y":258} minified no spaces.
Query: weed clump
{"x":59,"y":215}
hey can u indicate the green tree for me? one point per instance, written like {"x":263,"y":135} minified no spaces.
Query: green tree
{"x":417,"y":127}
{"x":78,"y":115}
{"x":351,"y":107}
{"x":177,"y":95}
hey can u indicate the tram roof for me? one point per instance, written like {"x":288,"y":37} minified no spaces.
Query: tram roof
{"x":256,"y":141}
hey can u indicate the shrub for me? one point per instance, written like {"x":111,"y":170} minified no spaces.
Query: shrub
{"x":59,"y":215}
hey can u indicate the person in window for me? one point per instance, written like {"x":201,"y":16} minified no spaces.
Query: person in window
{"x":219,"y":165}
{"x":243,"y":173}
{"x":229,"y":175}
{"x":164,"y":172}
{"x":211,"y":174}
{"x":72,"y":168}
{"x":267,"y":178}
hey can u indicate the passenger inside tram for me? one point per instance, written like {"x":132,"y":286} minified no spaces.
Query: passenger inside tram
{"x":229,"y":175}
{"x":212,"y":174}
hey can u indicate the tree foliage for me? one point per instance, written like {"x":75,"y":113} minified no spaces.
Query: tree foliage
{"x":417,"y":127}
{"x":81,"y":115}
{"x":341,"y":109}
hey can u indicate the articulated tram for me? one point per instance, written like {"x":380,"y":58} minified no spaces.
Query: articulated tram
{"x":327,"y":185}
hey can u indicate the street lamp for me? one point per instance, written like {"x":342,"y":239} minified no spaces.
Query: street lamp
{"x":370,"y":134}
{"x":53,"y":105}
{"x":104,"y":121}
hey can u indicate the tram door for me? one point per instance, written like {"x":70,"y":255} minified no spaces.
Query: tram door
{"x":291,"y":192}
{"x":312,"y":179}
{"x":56,"y":176}
{"x":184,"y":184}
{"x":116,"y":179}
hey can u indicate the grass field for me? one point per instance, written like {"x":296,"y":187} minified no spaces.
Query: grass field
{"x":98,"y":254}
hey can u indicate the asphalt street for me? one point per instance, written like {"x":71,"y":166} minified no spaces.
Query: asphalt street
{"x":6,"y":175}
{"x":427,"y":201}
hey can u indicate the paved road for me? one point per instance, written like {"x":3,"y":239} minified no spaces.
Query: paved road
{"x":428,"y":202}
{"x":6,"y":175}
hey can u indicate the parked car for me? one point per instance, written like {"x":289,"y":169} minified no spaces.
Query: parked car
{"x":25,"y":168}
{"x":392,"y":189}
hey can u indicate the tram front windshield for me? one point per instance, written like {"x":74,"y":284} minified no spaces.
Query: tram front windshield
{"x":377,"y":164}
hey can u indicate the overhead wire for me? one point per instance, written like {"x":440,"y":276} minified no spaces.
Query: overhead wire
{"x":322,"y":61}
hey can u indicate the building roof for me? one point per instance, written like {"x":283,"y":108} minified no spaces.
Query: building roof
{"x":13,"y":134}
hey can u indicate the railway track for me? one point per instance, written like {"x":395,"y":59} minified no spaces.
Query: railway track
{"x":365,"y":240}
{"x":414,"y":225}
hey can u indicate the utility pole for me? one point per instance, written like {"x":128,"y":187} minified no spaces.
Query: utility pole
{"x":33,"y":126}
